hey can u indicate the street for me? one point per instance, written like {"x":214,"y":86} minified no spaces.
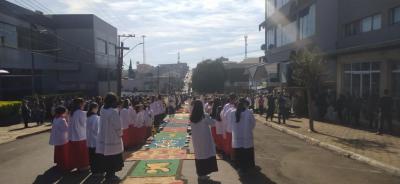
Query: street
{"x":281,"y":158}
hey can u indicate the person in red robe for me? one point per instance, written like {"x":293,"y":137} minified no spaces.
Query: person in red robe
{"x":59,"y":139}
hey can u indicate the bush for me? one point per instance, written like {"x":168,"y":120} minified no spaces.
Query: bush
{"x":9,"y":109}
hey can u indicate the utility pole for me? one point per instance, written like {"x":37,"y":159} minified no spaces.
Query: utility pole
{"x":245,"y":46}
{"x":144,"y":51}
{"x":158,"y":79}
{"x":120,"y":61}
{"x":179,"y":57}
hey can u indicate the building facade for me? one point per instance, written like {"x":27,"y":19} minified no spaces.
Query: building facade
{"x":360,"y":39}
{"x":51,"y":54}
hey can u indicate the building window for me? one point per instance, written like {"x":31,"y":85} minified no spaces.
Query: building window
{"x":101,"y":46}
{"x":396,"y":80}
{"x":351,"y":29}
{"x":307,"y":22}
{"x":8,"y":35}
{"x":270,"y":9}
{"x":395,"y":15}
{"x":286,"y":34}
{"x":281,"y":3}
{"x":111,"y":49}
{"x":371,"y":23}
{"x":271,"y":38}
{"x":361,"y":79}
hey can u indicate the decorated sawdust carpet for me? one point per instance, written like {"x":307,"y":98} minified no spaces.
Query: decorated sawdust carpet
{"x":153,"y":180}
{"x":161,"y":153}
{"x":174,"y":129}
{"x":169,"y":143}
{"x":178,"y":121}
{"x":175,"y":125}
{"x":170,"y":135}
{"x":156,"y":168}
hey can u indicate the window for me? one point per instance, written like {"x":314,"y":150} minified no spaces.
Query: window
{"x":271,"y":38}
{"x":111,"y":49}
{"x":8,"y":35}
{"x":395,"y":14}
{"x":281,"y":3}
{"x":101,"y":46}
{"x":307,"y":22}
{"x":286,"y":34}
{"x":270,"y":9}
{"x":361,"y":79}
{"x":371,"y":23}
{"x":351,"y":29}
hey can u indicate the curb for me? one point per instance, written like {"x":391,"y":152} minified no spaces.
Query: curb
{"x":33,"y":133}
{"x":388,"y":168}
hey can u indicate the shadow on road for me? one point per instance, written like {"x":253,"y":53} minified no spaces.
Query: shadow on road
{"x":255,"y":177}
{"x":362,"y":144}
{"x":50,"y":176}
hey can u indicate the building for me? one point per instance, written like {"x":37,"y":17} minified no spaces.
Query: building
{"x":52,"y":54}
{"x":360,"y":39}
{"x":164,"y":78}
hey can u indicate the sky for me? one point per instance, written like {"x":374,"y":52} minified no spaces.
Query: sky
{"x":198,"y":29}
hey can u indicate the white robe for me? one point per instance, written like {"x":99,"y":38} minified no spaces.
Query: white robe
{"x":140,"y":119}
{"x":148,"y":118}
{"x":242,"y":131}
{"x":77,"y":126}
{"x":224,"y":117}
{"x":125,"y":118}
{"x":59,"y":132}
{"x":109,"y":141}
{"x":203,"y":143}
{"x":92,"y":130}
{"x":132,"y":116}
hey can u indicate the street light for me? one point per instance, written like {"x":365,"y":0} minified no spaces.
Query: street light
{"x":4,"y":71}
{"x":133,"y":48}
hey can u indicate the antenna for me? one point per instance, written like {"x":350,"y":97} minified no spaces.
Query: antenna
{"x":245,"y":46}
{"x":144,"y":51}
{"x":179,"y":57}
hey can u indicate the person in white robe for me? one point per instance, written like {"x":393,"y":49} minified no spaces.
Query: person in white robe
{"x":59,"y":139}
{"x":125,"y":116}
{"x":242,"y":137}
{"x":92,"y":130}
{"x":109,"y":141}
{"x":203,"y":144}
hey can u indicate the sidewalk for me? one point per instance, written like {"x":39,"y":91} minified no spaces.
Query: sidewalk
{"x":378,"y":150}
{"x":13,"y":132}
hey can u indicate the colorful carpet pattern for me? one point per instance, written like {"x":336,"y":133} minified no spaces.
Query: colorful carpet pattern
{"x":154,"y":154}
{"x":161,"y":160}
{"x":156,"y":168}
{"x":153,"y":180}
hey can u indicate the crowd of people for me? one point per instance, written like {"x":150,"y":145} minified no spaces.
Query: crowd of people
{"x":222,"y":124}
{"x":377,"y":112}
{"x":93,"y":133}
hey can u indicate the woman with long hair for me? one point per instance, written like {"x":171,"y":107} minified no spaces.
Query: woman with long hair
{"x":215,"y":114}
{"x":203,"y":144}
{"x":109,"y":142}
{"x":77,"y":136}
{"x":242,"y":137}
{"x":92,"y":130}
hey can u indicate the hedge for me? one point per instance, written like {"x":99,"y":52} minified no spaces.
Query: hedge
{"x":9,"y":109}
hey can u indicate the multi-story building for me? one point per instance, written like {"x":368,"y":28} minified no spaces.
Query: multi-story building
{"x":360,"y":39}
{"x":48,"y":54}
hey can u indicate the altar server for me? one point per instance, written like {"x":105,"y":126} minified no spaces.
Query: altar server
{"x":77,"y":136}
{"x":242,"y":137}
{"x":148,"y":121}
{"x":126,"y":121}
{"x":203,"y":144}
{"x":140,"y":124}
{"x":109,"y":142}
{"x":132,"y":128}
{"x":59,"y":139}
{"x":227,"y":135}
{"x":92,"y":130}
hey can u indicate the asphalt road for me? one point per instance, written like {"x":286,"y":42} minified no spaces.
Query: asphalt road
{"x":280,"y":157}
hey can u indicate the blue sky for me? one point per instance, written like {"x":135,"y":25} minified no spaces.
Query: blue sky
{"x":198,"y":29}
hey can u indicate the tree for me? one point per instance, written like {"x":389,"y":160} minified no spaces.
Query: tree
{"x":209,"y":76}
{"x":308,"y":68}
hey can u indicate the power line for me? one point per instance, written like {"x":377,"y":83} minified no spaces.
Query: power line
{"x":45,"y":7}
{"x":35,"y":8}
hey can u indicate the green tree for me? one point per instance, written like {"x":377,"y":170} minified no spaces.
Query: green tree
{"x":308,"y":70}
{"x":209,"y":76}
